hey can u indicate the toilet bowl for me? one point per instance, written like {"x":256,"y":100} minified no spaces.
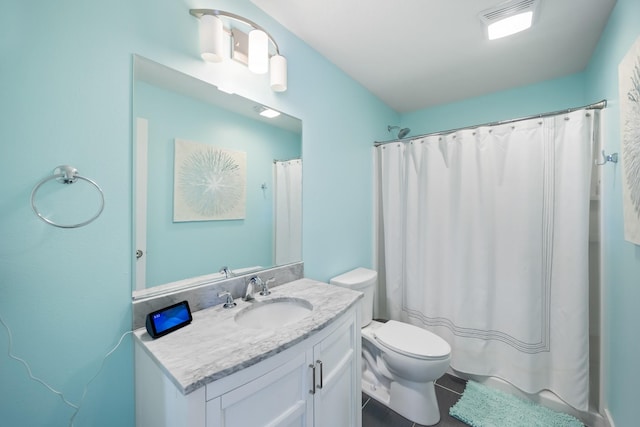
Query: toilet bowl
{"x":400,"y":362}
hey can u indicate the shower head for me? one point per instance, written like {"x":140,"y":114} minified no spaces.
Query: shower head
{"x":401,"y":133}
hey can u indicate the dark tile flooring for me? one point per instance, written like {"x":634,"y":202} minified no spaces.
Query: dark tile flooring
{"x":448,"y":391}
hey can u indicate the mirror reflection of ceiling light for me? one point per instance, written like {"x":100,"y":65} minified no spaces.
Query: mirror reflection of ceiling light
{"x":509,"y":18}
{"x":266,"y":112}
{"x":259,"y":59}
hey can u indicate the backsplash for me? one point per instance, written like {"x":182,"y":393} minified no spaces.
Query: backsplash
{"x":206,"y":295}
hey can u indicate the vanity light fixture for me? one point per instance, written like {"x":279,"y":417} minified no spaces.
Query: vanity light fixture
{"x":258,"y":52}
{"x":278,"y":64}
{"x":509,"y":18}
{"x":259,"y":59}
{"x":266,"y":112}
{"x":211,"y":38}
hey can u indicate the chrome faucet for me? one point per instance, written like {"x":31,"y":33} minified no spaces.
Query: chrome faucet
{"x":255,"y":280}
{"x":225,"y":270}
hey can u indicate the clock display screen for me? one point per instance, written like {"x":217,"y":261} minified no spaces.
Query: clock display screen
{"x":168,"y":319}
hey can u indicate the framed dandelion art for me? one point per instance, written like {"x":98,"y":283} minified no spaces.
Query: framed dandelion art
{"x":629,"y":87}
{"x":209,"y":183}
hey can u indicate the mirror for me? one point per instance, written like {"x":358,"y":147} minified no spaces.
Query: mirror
{"x":215,"y":183}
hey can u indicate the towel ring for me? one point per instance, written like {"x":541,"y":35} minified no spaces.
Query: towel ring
{"x":66,"y":175}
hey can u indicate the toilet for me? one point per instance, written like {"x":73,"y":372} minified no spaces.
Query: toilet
{"x":400,"y":362}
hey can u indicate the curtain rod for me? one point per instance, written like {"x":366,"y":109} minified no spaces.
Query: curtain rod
{"x":595,"y":106}
{"x":286,"y":160}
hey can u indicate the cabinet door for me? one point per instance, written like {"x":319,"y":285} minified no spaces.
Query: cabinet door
{"x":280,"y":398}
{"x":337,"y":398}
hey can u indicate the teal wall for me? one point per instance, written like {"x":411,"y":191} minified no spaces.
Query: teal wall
{"x":66,"y":84}
{"x":549,"y":95}
{"x":621,"y":258}
{"x":177,"y":250}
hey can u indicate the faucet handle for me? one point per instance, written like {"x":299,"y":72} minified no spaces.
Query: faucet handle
{"x":265,"y":286}
{"x":230,"y":303}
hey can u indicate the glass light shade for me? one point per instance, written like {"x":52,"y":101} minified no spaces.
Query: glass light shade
{"x":511,"y":25}
{"x":258,"y":51}
{"x":278,"y":65}
{"x":211,"y":36}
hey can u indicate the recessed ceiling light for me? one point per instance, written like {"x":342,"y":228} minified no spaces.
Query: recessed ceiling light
{"x":511,"y":25}
{"x":509,"y":18}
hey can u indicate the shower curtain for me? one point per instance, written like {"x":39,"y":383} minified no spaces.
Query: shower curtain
{"x":288,"y":211}
{"x":485,"y":243}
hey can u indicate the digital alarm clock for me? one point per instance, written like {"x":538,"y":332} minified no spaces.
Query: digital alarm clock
{"x":168,"y":319}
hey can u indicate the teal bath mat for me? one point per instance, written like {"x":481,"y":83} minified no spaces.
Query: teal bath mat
{"x":481,"y":406}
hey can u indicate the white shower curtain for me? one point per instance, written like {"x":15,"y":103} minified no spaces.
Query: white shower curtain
{"x":288,"y":211}
{"x":486,"y":244}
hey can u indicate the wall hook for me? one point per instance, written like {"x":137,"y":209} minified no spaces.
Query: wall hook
{"x":608,"y":158}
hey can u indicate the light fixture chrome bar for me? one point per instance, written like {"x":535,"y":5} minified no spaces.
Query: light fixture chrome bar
{"x":595,"y":106}
{"x":199,"y":13}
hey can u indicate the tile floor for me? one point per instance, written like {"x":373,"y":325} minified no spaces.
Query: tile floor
{"x":448,"y":391}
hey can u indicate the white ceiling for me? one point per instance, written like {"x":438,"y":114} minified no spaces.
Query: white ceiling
{"x":415,"y":54}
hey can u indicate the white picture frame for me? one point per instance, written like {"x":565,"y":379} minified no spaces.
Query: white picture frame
{"x":629,"y":91}
{"x":209,"y":182}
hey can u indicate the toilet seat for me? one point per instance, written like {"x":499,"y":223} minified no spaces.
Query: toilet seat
{"x":412,"y":341}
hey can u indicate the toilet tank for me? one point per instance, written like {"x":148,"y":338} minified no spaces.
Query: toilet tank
{"x":361,"y":280}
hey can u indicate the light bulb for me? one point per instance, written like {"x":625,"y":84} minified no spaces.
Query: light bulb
{"x":278,"y":64}
{"x":211,"y":35}
{"x":258,"y":51}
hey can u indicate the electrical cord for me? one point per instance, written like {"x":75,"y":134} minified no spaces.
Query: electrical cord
{"x":51,"y":389}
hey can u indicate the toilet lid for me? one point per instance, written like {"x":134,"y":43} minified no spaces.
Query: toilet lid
{"x":412,"y":341}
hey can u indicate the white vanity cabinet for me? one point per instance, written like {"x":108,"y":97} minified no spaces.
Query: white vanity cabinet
{"x":315,"y":382}
{"x":277,"y":398}
{"x":337,"y":399}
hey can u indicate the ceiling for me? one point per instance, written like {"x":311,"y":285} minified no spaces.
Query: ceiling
{"x":415,"y":54}
{"x":148,"y":71}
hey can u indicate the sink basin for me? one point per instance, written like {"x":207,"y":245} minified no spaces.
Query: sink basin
{"x":273,"y":313}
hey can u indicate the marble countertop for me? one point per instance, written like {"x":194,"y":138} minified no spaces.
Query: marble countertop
{"x":213,"y":346}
